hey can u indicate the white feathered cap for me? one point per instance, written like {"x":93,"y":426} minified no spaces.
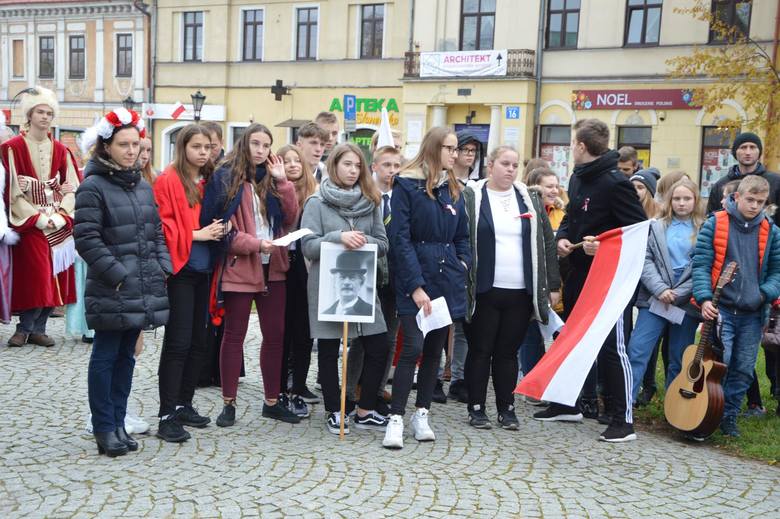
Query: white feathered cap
{"x":39,"y":96}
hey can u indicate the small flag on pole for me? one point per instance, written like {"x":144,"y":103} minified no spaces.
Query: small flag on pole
{"x":178,"y":109}
{"x":385,"y":132}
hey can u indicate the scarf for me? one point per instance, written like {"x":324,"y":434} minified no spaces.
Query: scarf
{"x":349,"y":203}
{"x":273,"y":208}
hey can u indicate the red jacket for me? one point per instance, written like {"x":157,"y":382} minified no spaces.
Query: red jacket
{"x":243,"y":270}
{"x":179,"y":220}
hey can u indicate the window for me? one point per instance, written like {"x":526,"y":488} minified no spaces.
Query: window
{"x":643,"y":22}
{"x":18,"y":57}
{"x":477,"y":23}
{"x":639,"y":138}
{"x":46,"y":57}
{"x":555,"y":147}
{"x":732,"y":13}
{"x":253,"y":35}
{"x":124,"y":55}
{"x":372,"y":26}
{"x":193,"y":36}
{"x":563,"y":22}
{"x":76,"y":57}
{"x":306,"y":47}
{"x":716,"y":158}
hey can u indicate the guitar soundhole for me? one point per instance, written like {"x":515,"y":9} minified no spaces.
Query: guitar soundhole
{"x":694,"y":371}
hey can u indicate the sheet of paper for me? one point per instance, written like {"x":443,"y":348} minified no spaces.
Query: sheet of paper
{"x":554,"y":324}
{"x":671,"y":313}
{"x":438,"y":318}
{"x":284,"y":241}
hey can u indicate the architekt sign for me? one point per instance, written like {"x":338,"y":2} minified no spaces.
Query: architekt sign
{"x":474,"y":63}
{"x":666,"y":99}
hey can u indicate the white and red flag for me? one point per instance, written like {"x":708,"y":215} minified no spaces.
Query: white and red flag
{"x":613,"y":277}
{"x":178,"y":109}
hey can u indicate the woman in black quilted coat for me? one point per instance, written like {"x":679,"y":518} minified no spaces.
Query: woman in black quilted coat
{"x":119,"y":235}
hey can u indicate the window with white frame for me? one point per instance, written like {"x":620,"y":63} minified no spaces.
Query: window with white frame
{"x":372,"y":21}
{"x":306,"y":20}
{"x":193,"y":35}
{"x":252,"y":43}
{"x":124,"y":55}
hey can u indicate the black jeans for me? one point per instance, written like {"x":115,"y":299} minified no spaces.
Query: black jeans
{"x":184,"y":344}
{"x":297,"y":340}
{"x":375,"y":354}
{"x":501,"y":316}
{"x":431,"y":348}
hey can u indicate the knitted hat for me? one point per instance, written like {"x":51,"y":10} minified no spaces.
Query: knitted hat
{"x":744,"y":137}
{"x":646,"y":177}
{"x":38,"y":95}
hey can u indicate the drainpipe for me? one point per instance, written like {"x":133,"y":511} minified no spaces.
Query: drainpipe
{"x":411,"y":25}
{"x":772,"y":108}
{"x":150,"y":11}
{"x":539,"y":59}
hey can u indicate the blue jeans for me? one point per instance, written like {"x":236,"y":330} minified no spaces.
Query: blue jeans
{"x":110,"y":377}
{"x":532,"y":349}
{"x":740,"y":336}
{"x":649,"y":328}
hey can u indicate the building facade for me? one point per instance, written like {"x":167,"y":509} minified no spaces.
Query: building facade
{"x":93,"y":54}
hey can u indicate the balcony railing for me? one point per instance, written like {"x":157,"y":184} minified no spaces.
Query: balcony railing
{"x":520,"y":63}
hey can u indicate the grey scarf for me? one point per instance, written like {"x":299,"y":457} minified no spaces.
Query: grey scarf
{"x":350,"y":203}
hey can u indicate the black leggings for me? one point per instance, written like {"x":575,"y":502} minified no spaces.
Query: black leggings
{"x":297,"y":341}
{"x":501,"y":319}
{"x":375,"y":356}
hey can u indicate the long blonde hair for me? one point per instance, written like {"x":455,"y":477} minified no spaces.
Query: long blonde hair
{"x":428,"y":160}
{"x":306,"y":185}
{"x":367,"y":185}
{"x":666,"y":212}
{"x":648,"y":203}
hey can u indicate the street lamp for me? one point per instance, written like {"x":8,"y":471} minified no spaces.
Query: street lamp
{"x":128,"y":103}
{"x":197,"y":104}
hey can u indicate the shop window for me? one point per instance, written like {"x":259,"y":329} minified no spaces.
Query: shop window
{"x":716,"y":158}
{"x":362,"y":137}
{"x":46,"y":57}
{"x":555,"y":148}
{"x":124,"y":55}
{"x":732,"y":13}
{"x":638,"y":137}
{"x":76,"y":61}
{"x":307,"y":33}
{"x":253,"y":35}
{"x":371,"y":30}
{"x":18,"y":59}
{"x":643,"y":22}
{"x":171,"y":144}
{"x":477,"y":24}
{"x":236,"y":132}
{"x":563,"y":21}
{"x":193,"y":36}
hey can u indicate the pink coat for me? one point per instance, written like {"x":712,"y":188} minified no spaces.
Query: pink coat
{"x":243,"y":270}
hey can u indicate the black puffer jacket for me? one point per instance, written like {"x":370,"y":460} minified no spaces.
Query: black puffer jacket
{"x":119,"y":235}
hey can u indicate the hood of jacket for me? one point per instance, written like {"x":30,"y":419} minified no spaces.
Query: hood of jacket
{"x":744,"y":225}
{"x":126,"y":178}
{"x":606,"y":162}
{"x":735,"y":174}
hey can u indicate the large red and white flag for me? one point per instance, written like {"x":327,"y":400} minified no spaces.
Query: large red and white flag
{"x":178,"y":109}
{"x":613,"y":277}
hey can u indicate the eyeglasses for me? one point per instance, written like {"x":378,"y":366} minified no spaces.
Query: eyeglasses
{"x":467,"y":151}
{"x":452,"y":150}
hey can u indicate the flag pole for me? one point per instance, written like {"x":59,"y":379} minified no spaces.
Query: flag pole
{"x":343,"y":379}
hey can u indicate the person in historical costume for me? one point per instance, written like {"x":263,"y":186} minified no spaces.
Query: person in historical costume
{"x":41,"y":182}
{"x":8,"y":237}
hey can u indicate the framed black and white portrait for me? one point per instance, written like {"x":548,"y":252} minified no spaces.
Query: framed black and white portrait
{"x":347,"y":290}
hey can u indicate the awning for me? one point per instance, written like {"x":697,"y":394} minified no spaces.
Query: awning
{"x":293,"y":123}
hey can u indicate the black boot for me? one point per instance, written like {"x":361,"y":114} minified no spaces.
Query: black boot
{"x":125,"y":438}
{"x":109,"y":444}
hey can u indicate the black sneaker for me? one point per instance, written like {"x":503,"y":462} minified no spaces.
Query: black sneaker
{"x":590,"y":409}
{"x":350,"y":407}
{"x":559,"y":413}
{"x":284,"y":400}
{"x":171,"y":431}
{"x":728,"y":426}
{"x":381,"y":407}
{"x":187,"y":415}
{"x":308,"y":396}
{"x":279,"y":412}
{"x":645,"y":396}
{"x":333,"y":423}
{"x":478,"y":419}
{"x":459,"y":392}
{"x":299,"y":407}
{"x":373,"y":421}
{"x":695,"y":437}
{"x":228,"y":415}
{"x":438,"y":393}
{"x":618,"y":431}
{"x":508,"y":419}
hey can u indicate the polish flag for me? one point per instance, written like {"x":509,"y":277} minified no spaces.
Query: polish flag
{"x":613,"y":277}
{"x":178,"y":109}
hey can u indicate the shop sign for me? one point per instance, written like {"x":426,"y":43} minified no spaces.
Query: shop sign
{"x":662,"y":99}
{"x":476,"y":63}
{"x":366,"y":104}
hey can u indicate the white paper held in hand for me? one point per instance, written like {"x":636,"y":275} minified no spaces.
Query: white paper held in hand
{"x":284,"y":241}
{"x":671,"y":313}
{"x":439,"y":317}
{"x":554,"y":323}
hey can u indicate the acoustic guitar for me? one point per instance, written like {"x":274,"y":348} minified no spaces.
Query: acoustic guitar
{"x":694,"y":400}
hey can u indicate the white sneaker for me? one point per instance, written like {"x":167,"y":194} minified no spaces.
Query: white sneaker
{"x":88,"y":427}
{"x":394,"y":434}
{"x":135,"y":425}
{"x":422,"y":431}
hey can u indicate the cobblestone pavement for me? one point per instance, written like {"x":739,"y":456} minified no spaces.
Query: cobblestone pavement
{"x":50,"y":468}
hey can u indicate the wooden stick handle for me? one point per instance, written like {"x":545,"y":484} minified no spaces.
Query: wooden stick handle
{"x":344,"y":379}
{"x":577,"y":245}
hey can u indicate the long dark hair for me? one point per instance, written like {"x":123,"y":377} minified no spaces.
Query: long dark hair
{"x":100,"y":149}
{"x":180,"y":161}
{"x":242,"y":169}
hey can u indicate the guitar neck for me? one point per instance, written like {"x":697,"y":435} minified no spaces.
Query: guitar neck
{"x":705,"y":340}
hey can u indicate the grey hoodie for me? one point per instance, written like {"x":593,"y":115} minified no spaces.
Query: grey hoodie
{"x":743,"y":293}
